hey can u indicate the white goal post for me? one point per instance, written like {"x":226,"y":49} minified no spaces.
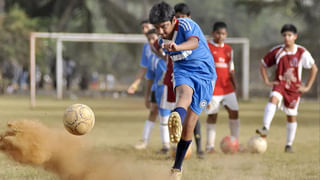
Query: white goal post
{"x":110,"y":38}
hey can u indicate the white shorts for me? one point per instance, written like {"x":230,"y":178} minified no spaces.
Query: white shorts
{"x":229,"y":100}
{"x":287,"y":111}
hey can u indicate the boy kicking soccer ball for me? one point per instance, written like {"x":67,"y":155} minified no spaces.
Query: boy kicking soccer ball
{"x":182,"y":11}
{"x":194,"y":74}
{"x":289,"y":59}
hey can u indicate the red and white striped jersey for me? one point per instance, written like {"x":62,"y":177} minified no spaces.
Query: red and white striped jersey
{"x":223,"y":59}
{"x":288,"y":70}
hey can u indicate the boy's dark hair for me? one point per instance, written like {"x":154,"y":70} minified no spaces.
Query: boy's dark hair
{"x":290,"y":28}
{"x":145,"y":21}
{"x":161,"y":12}
{"x":219,"y":25}
{"x":182,"y":8}
{"x":152,"y":31}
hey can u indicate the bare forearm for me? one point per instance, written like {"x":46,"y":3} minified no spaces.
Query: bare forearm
{"x":148,"y":88}
{"x":233,"y":80}
{"x":263,"y":72}
{"x":191,"y":43}
{"x":312,"y":77}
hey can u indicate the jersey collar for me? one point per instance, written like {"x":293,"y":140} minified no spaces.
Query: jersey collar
{"x":216,"y":44}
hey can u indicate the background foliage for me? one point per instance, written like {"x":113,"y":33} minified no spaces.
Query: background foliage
{"x":258,"y":20}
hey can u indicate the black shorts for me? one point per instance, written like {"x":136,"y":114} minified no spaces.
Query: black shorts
{"x":153,"y":97}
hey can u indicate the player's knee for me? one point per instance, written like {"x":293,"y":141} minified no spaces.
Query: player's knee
{"x":274,"y":100}
{"x":233,"y":114}
{"x":212,"y":119}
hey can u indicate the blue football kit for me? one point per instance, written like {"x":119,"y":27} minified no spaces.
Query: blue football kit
{"x":194,"y":68}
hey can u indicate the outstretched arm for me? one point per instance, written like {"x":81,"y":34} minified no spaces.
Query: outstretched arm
{"x":312,"y":77}
{"x":134,"y":86}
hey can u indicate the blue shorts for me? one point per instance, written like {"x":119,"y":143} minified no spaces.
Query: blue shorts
{"x":202,"y":91}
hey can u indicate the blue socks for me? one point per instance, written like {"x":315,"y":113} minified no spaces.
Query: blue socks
{"x":182,"y":112}
{"x":181,"y":152}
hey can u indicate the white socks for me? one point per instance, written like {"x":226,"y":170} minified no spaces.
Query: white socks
{"x":211,"y":135}
{"x":234,"y":125}
{"x":269,"y":112}
{"x":164,"y":130}
{"x":291,"y":132}
{"x":147,"y":130}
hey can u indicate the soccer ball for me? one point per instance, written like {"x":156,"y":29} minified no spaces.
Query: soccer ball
{"x":188,"y":153}
{"x":257,"y":144}
{"x":78,"y":119}
{"x":229,"y":144}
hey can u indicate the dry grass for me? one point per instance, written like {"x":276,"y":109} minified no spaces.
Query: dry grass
{"x":119,"y":124}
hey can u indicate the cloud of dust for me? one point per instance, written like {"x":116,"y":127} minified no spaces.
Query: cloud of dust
{"x":70,"y":157}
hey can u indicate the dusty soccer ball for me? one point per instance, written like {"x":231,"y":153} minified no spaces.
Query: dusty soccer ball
{"x":257,"y":144}
{"x":229,"y":144}
{"x":188,"y":154}
{"x":78,"y":119}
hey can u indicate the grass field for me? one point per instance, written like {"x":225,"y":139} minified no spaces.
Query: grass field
{"x":119,"y":125}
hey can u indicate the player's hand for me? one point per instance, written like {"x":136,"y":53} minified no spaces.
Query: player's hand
{"x":170,"y":46}
{"x":132,"y":89}
{"x":302,"y":88}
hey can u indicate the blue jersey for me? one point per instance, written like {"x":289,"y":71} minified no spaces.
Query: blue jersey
{"x":146,"y":53}
{"x":156,"y":72}
{"x":198,"y":62}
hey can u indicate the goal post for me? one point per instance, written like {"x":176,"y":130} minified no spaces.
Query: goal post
{"x":109,"y":38}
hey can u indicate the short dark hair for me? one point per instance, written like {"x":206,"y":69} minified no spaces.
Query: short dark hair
{"x":145,"y":21}
{"x":161,"y":12}
{"x":152,"y":31}
{"x":182,"y":8}
{"x":219,"y":25}
{"x":290,"y":28}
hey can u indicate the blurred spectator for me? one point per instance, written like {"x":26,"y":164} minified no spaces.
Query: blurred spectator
{"x":68,"y":70}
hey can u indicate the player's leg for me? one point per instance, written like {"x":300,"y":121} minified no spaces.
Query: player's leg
{"x":176,"y":118}
{"x":164,"y":131}
{"x":269,"y":113}
{"x":149,"y":123}
{"x":211,"y":132}
{"x":186,"y":138}
{"x":197,"y":137}
{"x":202,"y":94}
{"x":291,"y":132}
{"x":291,"y":125}
{"x":231,"y":104}
{"x":212,"y":112}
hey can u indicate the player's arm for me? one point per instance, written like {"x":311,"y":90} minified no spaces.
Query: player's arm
{"x":134,"y":86}
{"x":147,"y":94}
{"x":312,"y":77}
{"x":263,"y":72}
{"x":191,"y":43}
{"x":233,"y":80}
{"x":231,"y":71}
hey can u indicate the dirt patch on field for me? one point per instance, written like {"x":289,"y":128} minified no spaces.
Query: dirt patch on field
{"x":31,"y":142}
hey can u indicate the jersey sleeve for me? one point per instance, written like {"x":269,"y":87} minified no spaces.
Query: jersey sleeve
{"x":189,"y":29}
{"x":269,"y":60}
{"x":144,"y":58}
{"x":150,"y":75}
{"x":307,"y":60}
{"x":231,"y":64}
